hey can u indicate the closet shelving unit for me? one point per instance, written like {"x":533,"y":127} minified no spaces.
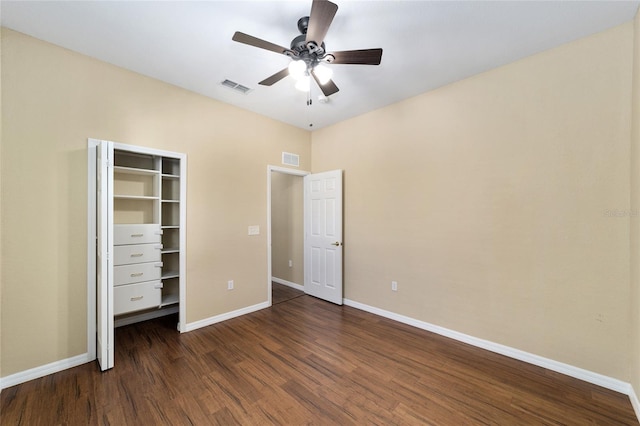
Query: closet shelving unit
{"x":171,"y":227}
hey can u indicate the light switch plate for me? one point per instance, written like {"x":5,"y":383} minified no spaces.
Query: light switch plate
{"x":254,"y":230}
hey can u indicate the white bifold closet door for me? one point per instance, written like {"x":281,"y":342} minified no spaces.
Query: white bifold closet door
{"x":104,"y":275}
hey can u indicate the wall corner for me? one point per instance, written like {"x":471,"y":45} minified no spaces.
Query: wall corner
{"x":634,"y":215}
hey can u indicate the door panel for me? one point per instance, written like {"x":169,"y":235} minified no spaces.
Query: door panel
{"x":104,"y":308}
{"x":323,"y":235}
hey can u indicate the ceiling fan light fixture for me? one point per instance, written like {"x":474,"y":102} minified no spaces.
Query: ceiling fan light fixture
{"x":297,"y":69}
{"x":307,"y":50}
{"x":323,"y":73}
{"x":304,"y":84}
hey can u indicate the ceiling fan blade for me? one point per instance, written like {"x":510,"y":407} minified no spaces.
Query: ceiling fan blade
{"x":358,"y":57}
{"x":320,"y":18}
{"x":275,"y":78}
{"x":257,"y":42}
{"x":329,"y":88}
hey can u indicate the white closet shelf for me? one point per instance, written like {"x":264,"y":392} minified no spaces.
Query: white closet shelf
{"x":170,"y":201}
{"x":170,"y":227}
{"x":167,"y":176}
{"x":134,"y":171}
{"x":170,"y":250}
{"x":135,"y":197}
{"x":170,"y":299}
{"x":170,"y":274}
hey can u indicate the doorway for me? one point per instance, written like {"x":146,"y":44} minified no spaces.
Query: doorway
{"x":285,"y":229}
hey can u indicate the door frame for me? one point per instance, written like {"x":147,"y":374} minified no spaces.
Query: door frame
{"x":287,"y":171}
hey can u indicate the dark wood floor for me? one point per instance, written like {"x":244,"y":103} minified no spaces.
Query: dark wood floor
{"x":305,"y":361}
{"x":281,"y":293}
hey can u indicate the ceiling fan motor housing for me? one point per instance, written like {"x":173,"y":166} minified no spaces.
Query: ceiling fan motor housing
{"x":308,"y":51}
{"x":299,"y":44}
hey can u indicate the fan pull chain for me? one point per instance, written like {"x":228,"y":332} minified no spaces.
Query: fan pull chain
{"x":309,"y":103}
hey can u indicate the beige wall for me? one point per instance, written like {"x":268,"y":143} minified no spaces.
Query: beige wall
{"x":487,"y":201}
{"x":54,"y":100}
{"x":287,"y":227}
{"x":634,"y":217}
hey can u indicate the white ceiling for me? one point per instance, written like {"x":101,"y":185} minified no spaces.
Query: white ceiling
{"x":427,"y":44}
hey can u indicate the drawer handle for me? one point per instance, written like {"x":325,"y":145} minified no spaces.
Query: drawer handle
{"x":137,"y":274}
{"x":136,"y":298}
{"x":137,"y":235}
{"x":136,"y":255}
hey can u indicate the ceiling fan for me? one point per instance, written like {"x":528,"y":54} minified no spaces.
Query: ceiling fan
{"x":308,"y":52}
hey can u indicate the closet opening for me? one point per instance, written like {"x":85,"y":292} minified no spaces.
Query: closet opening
{"x":137,"y":240}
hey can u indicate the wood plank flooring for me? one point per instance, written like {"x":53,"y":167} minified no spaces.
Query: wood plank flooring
{"x":281,"y":293}
{"x":305,"y":361}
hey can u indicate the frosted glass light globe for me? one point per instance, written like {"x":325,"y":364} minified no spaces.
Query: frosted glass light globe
{"x":297,"y":69}
{"x":323,"y":73}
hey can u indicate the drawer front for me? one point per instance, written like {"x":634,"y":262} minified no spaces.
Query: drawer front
{"x":128,"y":274}
{"x":135,"y":297}
{"x":136,"y":253}
{"x":136,"y":234}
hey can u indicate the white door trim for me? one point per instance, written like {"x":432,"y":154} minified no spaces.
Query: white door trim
{"x":287,"y":171}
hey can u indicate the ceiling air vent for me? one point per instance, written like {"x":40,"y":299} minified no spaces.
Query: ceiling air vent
{"x":290,"y":159}
{"x":236,"y":86}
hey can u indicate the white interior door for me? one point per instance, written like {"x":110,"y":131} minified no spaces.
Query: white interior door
{"x":104,"y":278}
{"x":323,"y":235}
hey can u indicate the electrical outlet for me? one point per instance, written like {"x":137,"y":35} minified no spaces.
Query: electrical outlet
{"x":230,"y":285}
{"x":394,"y":285}
{"x":290,"y":263}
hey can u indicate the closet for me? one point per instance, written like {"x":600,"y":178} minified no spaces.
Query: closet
{"x":140,"y":236}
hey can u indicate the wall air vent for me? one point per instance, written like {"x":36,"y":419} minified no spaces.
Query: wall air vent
{"x":291,"y":159}
{"x":236,"y":86}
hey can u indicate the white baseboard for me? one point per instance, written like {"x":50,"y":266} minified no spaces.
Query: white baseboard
{"x":569,"y":370}
{"x":223,"y":317}
{"x":287,"y":283}
{"x":634,"y":401}
{"x":43,"y":370}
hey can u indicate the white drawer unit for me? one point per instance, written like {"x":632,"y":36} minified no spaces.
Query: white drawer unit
{"x":137,"y":253}
{"x":138,"y":272}
{"x":136,"y":234}
{"x":136,"y":297}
